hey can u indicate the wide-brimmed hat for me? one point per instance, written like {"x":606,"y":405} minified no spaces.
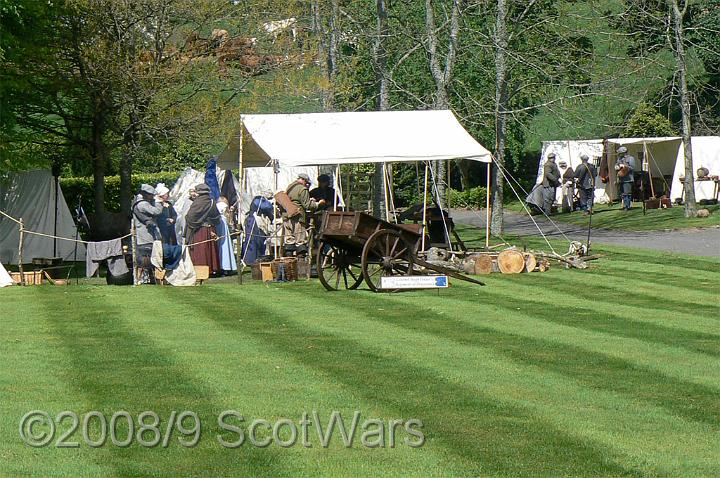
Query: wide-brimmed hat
{"x":147,"y":189}
{"x":584,"y":157}
{"x":305,"y":177}
{"x":622,"y":149}
{"x":551,"y":156}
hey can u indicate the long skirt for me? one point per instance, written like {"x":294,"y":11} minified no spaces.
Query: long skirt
{"x":205,"y":254}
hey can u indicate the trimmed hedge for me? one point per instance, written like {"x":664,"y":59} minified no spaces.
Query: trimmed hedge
{"x":82,"y":188}
{"x":473,"y":198}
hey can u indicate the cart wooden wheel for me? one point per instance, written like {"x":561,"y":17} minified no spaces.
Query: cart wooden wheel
{"x":337,"y":269}
{"x":386,"y":253}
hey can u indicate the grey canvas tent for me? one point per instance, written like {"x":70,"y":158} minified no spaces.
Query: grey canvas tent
{"x":32,"y":196}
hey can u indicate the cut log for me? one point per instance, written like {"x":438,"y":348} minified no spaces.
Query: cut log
{"x":511,"y":261}
{"x":530,"y":262}
{"x":484,"y":264}
{"x":544,"y":265}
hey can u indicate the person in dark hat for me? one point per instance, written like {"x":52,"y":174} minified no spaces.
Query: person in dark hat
{"x":324,"y":192}
{"x":568,"y":186}
{"x":625,"y":168}
{"x":585,"y":175}
{"x":201,"y":221}
{"x":550,"y":181}
{"x":295,"y":227}
{"x":145,"y":212}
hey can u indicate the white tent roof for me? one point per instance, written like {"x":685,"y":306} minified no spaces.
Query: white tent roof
{"x":31,"y":196}
{"x":356,"y":137}
{"x":627,"y":141}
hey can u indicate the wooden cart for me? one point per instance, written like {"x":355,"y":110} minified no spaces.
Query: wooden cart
{"x":354,"y":246}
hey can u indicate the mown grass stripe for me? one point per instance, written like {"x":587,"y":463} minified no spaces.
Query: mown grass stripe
{"x":116,"y":368}
{"x":498,"y":436}
{"x":447,"y":362}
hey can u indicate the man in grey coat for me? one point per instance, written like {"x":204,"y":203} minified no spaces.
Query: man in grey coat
{"x":145,"y":212}
{"x":625,"y":167}
{"x":585,"y":175}
{"x":550,"y":181}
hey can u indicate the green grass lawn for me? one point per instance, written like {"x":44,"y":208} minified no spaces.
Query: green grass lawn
{"x":613,"y":371}
{"x":613,"y":217}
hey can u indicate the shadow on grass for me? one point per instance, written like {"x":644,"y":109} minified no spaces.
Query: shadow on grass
{"x":608,"y":295}
{"x":596,"y":370}
{"x":115,"y":368}
{"x":486,"y":434}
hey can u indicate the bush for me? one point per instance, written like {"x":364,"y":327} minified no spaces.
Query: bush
{"x":82,"y":188}
{"x":473,"y":198}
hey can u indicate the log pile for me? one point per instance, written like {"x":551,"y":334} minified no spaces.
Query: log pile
{"x":509,"y":261}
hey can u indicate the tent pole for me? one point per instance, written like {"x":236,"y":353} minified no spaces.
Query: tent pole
{"x":241,"y":237}
{"x":276,"y":171}
{"x":337,"y":187}
{"x":385,"y":192}
{"x":20,"y":253}
{"x":57,"y":188}
{"x":424,"y":216}
{"x":134,"y":253}
{"x":487,"y":208}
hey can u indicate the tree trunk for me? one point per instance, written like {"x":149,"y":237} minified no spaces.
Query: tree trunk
{"x":99,"y":159}
{"x":442,"y":77}
{"x":383,"y":103}
{"x":126,"y":167}
{"x":501,"y":98}
{"x":322,"y":51}
{"x":677,"y":17}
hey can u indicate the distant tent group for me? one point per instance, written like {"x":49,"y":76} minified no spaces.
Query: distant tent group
{"x":663,"y":158}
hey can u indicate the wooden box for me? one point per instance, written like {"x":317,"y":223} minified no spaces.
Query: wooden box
{"x":291,"y":268}
{"x":31,"y":278}
{"x":266,"y":273}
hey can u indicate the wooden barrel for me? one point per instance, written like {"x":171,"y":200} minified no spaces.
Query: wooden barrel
{"x":530,"y":262}
{"x":511,"y":261}
{"x":483,"y":264}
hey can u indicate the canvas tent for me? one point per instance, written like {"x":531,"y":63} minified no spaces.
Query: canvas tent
{"x":333,"y":139}
{"x":316,"y":139}
{"x":5,"y":279}
{"x":663,"y":157}
{"x":32,"y":196}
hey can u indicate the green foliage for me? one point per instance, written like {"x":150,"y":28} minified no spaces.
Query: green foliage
{"x":82,"y":188}
{"x":647,"y":122}
{"x":474,"y":198}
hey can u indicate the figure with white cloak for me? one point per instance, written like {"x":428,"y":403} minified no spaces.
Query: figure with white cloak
{"x":228,"y":263}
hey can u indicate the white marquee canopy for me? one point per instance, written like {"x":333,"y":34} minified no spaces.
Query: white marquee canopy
{"x":316,"y":139}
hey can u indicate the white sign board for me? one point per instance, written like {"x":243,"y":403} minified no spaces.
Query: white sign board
{"x":414,"y":282}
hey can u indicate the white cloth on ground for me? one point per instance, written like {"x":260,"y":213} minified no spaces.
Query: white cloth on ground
{"x":184,"y":275}
{"x":5,"y":279}
{"x":111,"y":251}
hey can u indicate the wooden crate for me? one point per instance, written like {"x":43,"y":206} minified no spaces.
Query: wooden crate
{"x":31,"y":278}
{"x":266,"y":273}
{"x":291,"y":268}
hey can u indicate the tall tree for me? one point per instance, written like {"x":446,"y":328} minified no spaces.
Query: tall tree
{"x":380,"y":58}
{"x":442,"y":75}
{"x":678,"y":13}
{"x":500,"y":42}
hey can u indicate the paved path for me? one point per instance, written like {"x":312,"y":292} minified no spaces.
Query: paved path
{"x":700,"y":242}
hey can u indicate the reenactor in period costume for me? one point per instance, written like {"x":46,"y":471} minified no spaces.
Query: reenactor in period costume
{"x":585,"y":175}
{"x":550,"y":181}
{"x":295,"y":227}
{"x":625,"y":167}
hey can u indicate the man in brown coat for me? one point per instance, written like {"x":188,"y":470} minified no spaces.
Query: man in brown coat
{"x":295,"y":227}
